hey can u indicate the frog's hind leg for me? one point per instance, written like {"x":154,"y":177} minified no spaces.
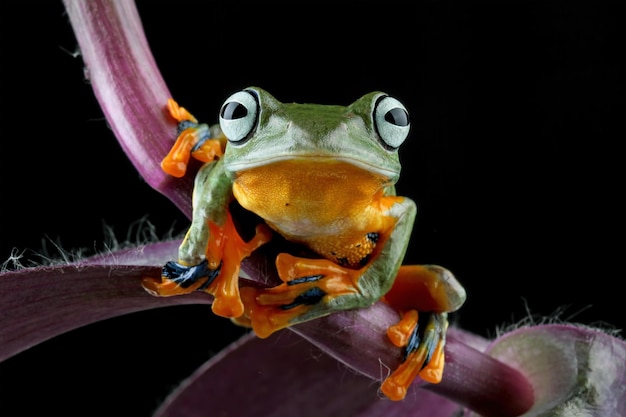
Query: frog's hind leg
{"x":422,"y":337}
{"x":424,"y":294}
{"x":194,"y":139}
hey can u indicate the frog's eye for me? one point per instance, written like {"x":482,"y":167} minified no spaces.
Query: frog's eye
{"x":391,"y":120}
{"x":238,"y":116}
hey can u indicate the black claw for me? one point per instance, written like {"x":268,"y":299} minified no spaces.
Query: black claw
{"x":185,"y":276}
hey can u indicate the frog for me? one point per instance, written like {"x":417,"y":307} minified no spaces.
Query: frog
{"x":320,"y":177}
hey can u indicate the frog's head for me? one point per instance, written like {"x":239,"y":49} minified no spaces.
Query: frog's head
{"x":261,"y":131}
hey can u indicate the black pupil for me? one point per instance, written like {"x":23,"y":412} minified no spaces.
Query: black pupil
{"x":234,"y":110}
{"x":397,"y":116}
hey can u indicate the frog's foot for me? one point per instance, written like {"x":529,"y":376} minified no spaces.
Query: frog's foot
{"x":225,"y":250}
{"x":193,"y":140}
{"x":423,"y":351}
{"x":307,"y":284}
{"x":177,"y":279}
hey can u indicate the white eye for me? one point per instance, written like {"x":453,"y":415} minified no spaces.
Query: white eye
{"x":238,"y":115}
{"x":391,"y":120}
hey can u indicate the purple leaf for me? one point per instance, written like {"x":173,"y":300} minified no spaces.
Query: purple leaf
{"x":100,"y":287}
{"x":40,"y":303}
{"x":286,"y":376}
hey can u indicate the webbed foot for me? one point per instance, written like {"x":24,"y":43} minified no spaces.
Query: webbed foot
{"x":423,"y":351}
{"x":194,"y":139}
{"x":177,"y":279}
{"x":225,"y":250}
{"x":309,"y":284}
{"x":433,"y":291}
{"x":218,"y":274}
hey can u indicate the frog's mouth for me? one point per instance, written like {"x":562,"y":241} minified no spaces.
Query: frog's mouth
{"x":308,"y":161}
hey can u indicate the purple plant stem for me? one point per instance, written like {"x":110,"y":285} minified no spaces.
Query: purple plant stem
{"x":40,"y":303}
{"x":129,"y":88}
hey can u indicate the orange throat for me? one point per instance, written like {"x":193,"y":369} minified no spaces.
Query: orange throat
{"x":302,"y":198}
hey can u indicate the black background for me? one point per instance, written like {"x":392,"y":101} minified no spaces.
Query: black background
{"x":515,"y":161}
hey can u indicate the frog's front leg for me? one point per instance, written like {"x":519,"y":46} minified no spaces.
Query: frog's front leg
{"x":314,"y":288}
{"x":211,"y":253}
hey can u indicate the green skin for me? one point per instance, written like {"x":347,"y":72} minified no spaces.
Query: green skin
{"x":287,"y":131}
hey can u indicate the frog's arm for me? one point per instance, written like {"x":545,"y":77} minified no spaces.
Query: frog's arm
{"x":317,"y":287}
{"x":211,"y":253}
{"x":212,"y":250}
{"x":211,"y":197}
{"x":423,"y":294}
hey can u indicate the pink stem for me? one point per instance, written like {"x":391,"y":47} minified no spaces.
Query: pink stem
{"x":129,"y":88}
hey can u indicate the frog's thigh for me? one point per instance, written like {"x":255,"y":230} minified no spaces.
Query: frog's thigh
{"x":425,"y":288}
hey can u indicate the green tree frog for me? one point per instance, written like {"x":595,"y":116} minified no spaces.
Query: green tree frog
{"x":323,"y":178}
